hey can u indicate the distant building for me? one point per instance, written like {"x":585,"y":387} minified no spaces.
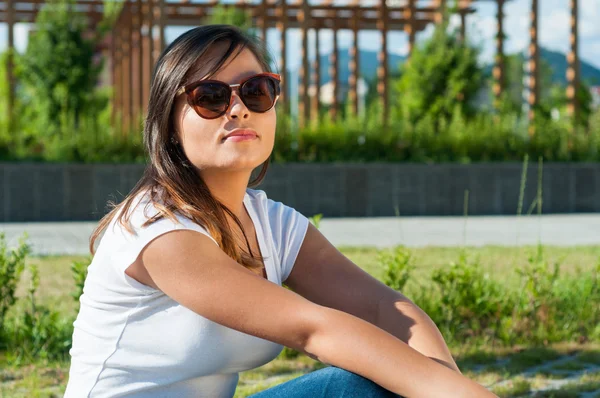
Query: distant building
{"x":326,"y":92}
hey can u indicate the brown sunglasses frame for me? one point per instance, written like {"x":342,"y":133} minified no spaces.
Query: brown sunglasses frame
{"x":187,"y":89}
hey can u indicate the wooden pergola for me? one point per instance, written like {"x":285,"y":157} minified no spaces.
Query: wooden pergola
{"x":138,"y":38}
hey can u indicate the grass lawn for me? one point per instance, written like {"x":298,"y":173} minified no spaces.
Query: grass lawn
{"x":564,"y":370}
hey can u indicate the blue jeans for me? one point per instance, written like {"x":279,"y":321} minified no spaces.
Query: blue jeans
{"x":329,"y":382}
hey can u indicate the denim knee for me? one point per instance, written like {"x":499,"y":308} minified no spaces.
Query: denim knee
{"x":353,"y":385}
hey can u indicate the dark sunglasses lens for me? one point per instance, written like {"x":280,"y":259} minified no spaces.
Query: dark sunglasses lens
{"x":210,"y":99}
{"x":259,"y":93}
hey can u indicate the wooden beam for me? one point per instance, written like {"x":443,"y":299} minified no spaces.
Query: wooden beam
{"x":321,"y":22}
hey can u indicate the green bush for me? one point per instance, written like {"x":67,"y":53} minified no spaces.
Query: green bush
{"x":11,"y":267}
{"x":38,"y":332}
{"x":397,"y":267}
{"x":471,"y":303}
{"x":469,"y":306}
{"x":442,"y":74}
{"x":79,"y":271}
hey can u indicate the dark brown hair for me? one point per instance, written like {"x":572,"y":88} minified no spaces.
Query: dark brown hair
{"x":173,"y":185}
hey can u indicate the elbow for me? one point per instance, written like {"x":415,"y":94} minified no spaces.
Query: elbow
{"x":318,"y":322}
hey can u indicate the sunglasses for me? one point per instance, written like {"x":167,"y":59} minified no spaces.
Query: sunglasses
{"x":211,"y":98}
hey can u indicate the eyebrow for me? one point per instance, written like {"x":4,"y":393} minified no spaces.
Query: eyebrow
{"x":235,"y":81}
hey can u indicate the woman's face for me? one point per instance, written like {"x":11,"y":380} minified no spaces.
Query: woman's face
{"x":202,"y":139}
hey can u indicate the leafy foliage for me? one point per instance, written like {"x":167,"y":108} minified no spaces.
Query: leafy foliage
{"x":440,"y":75}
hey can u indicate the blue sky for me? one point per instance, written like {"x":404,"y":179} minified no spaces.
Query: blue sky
{"x":481,"y":29}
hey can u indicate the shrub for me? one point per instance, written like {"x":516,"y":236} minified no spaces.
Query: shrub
{"x":397,"y":267}
{"x":37,"y":332}
{"x":471,"y":304}
{"x":11,"y":267}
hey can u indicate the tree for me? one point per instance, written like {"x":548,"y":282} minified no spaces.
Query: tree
{"x":228,"y":15}
{"x":58,"y":71}
{"x":441,"y":75}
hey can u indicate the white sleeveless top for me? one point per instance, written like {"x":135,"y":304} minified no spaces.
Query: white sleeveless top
{"x":132,"y":340}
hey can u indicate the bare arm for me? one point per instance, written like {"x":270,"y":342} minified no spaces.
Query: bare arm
{"x":377,"y":355}
{"x":190,"y":268}
{"x":405,"y":320}
{"x":323,"y":275}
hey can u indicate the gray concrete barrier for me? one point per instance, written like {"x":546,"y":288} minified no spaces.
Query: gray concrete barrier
{"x":75,"y":192}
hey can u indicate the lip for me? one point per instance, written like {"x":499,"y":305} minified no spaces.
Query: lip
{"x":241,"y":135}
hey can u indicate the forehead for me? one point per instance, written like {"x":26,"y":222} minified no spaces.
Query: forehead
{"x":237,"y":67}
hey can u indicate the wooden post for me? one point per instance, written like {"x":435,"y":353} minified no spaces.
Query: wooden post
{"x":114,"y":73}
{"x":333,"y":72}
{"x":118,"y":69}
{"x":127,"y":78}
{"x":463,"y":18}
{"x":10,"y":19}
{"x":499,"y":64}
{"x":135,"y":63}
{"x":573,"y":69}
{"x":140,"y":111}
{"x":355,"y":60}
{"x":151,"y":50}
{"x":315,"y":108}
{"x":262,"y":20}
{"x":534,"y":62}
{"x":409,"y":27}
{"x":304,"y":103}
{"x":441,"y":11}
{"x":382,"y":70}
{"x":161,"y":25}
{"x":282,"y":27}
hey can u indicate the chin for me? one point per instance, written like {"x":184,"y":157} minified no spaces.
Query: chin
{"x":243,"y":164}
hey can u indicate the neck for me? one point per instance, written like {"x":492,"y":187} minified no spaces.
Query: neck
{"x":228,"y":187}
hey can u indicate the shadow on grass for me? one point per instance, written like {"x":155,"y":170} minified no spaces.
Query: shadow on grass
{"x":524,"y":360}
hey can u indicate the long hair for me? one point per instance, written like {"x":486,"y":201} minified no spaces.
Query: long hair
{"x":173,"y":185}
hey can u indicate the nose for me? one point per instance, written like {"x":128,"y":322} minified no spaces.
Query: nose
{"x":237,"y":109}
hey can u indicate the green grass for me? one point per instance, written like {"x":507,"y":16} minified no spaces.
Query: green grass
{"x":515,"y":388}
{"x":489,"y":366}
{"x":500,"y":260}
{"x":57,"y":281}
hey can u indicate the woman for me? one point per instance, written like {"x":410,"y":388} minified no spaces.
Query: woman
{"x":184,"y":291}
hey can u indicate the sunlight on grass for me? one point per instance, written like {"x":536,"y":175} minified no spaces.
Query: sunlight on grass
{"x":500,"y":368}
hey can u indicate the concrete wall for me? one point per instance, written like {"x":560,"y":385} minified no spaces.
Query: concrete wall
{"x":55,"y":192}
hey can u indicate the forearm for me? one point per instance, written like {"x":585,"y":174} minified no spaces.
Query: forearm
{"x":406,"y":321}
{"x":351,"y":343}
